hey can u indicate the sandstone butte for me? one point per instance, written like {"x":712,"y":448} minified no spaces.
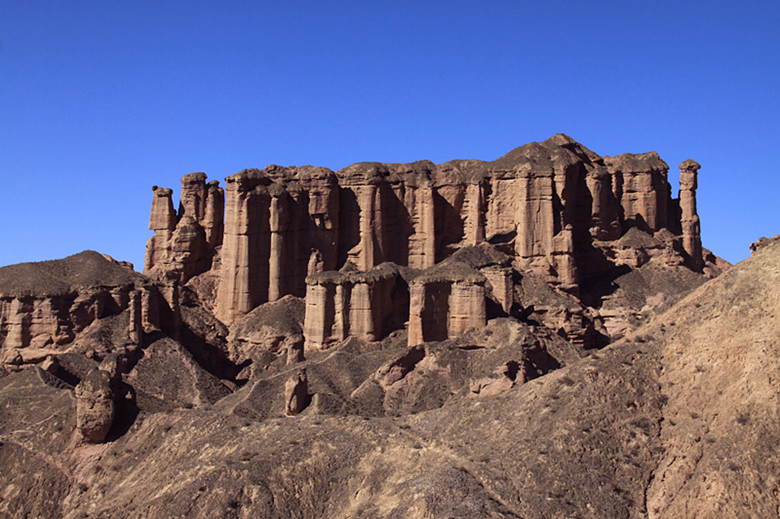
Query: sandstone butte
{"x":538,"y":336}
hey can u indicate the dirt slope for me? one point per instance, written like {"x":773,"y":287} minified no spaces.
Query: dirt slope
{"x":677,"y":420}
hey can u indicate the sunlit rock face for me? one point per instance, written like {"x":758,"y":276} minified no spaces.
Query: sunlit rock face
{"x":554,"y":208}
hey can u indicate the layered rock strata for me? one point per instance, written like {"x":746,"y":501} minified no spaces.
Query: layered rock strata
{"x":45,"y":306}
{"x":555,"y":207}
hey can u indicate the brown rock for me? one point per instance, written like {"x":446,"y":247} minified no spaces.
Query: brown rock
{"x":296,"y":393}
{"x":689,"y":219}
{"x":95,"y":406}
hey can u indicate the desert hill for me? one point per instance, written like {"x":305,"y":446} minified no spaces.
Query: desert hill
{"x":678,"y":419}
{"x":604,"y":365}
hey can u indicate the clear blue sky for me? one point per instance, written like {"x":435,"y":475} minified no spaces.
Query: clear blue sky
{"x":102,"y":99}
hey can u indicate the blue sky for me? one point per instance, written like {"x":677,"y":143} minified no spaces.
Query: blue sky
{"x":101,"y":100}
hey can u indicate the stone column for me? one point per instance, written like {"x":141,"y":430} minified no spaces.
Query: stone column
{"x":279,"y":216}
{"x":422,"y":250}
{"x":474,"y":224}
{"x":341,"y":328}
{"x":162,"y":220}
{"x":214,"y":218}
{"x":503,"y":286}
{"x":193,"y":196}
{"x":361,"y":315}
{"x":135,"y":326}
{"x":365,"y":199}
{"x":416,"y":305}
{"x":534,"y":220}
{"x":605,"y":218}
{"x":467,"y":308}
{"x":150,"y":313}
{"x":246,"y":247}
{"x":691,"y":229}
{"x":318,"y":320}
{"x":564,"y":262}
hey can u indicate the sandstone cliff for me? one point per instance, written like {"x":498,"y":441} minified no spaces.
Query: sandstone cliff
{"x":555,"y":207}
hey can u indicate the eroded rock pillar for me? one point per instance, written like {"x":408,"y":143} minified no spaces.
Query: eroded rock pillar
{"x":162,"y":220}
{"x":361,"y":317}
{"x":318,"y":316}
{"x":246,"y":246}
{"x":214,"y":217}
{"x":366,"y":197}
{"x":416,"y":310}
{"x":691,"y":228}
{"x":277,"y":262}
{"x":474,"y":224}
{"x":467,"y":308}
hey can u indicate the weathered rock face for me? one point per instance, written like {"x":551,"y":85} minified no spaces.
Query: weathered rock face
{"x":446,"y":301}
{"x":95,"y":406}
{"x":549,"y":204}
{"x":45,"y":306}
{"x":689,"y":219}
{"x":296,"y":393}
{"x":183,"y":244}
{"x":367,"y":305}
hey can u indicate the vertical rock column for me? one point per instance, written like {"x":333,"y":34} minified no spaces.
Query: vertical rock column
{"x":416,"y":310}
{"x":467,"y":307}
{"x":245,"y":249}
{"x":318,"y":316}
{"x":162,"y":220}
{"x":605,"y":219}
{"x":324,"y":212}
{"x":341,"y":328}
{"x":564,"y":262}
{"x":534,"y":220}
{"x":366,"y":197}
{"x":474,"y":218}
{"x":213,"y":219}
{"x":135,"y":326}
{"x":500,"y":280}
{"x":691,"y":229}
{"x":422,"y":246}
{"x":278,"y":223}
{"x":193,"y":196}
{"x":361,"y":317}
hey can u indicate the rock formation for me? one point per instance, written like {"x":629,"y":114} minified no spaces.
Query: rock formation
{"x":95,"y":406}
{"x":689,"y":219}
{"x":296,"y":393}
{"x":555,"y":207}
{"x":183,"y":243}
{"x":451,"y":314}
{"x":45,"y":306}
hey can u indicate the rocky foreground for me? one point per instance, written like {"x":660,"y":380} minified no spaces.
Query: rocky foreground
{"x":622,"y":371}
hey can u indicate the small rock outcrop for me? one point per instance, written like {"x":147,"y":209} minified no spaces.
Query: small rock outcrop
{"x":95,"y":406}
{"x":296,"y":393}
